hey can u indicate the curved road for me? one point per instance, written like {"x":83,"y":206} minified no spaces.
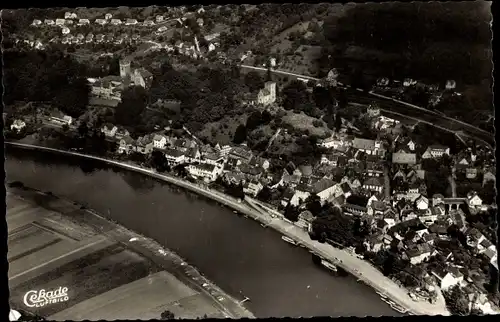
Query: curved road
{"x":360,"y":268}
{"x":453,"y":124}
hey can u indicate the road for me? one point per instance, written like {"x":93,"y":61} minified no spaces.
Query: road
{"x":359,"y":268}
{"x":396,"y":106}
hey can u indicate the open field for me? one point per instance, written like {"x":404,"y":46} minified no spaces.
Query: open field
{"x":53,"y":243}
{"x":223,"y":130}
{"x":126,"y":302}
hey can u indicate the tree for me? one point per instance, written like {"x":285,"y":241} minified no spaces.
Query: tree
{"x":291,"y":213}
{"x":240,"y":135}
{"x":265,"y":194}
{"x":133,"y":103}
{"x":254,"y":81}
{"x":342,"y":99}
{"x":456,"y":301}
{"x":167,"y":315}
{"x":295,"y":95}
{"x":83,"y":129}
{"x":338,"y":123}
{"x":158,"y":161}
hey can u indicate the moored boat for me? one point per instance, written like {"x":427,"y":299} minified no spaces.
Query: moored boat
{"x":289,"y":240}
{"x":328,"y":265}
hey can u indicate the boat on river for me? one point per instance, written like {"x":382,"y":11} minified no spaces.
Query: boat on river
{"x":289,"y":240}
{"x":329,"y":265}
{"x":398,"y":308}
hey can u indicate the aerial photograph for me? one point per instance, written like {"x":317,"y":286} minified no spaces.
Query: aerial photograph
{"x":250,"y":161}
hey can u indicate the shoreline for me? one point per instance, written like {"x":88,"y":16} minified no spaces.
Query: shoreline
{"x":353,"y":265}
{"x":152,"y":250}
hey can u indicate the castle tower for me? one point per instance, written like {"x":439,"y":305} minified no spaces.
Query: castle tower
{"x":125,"y":71}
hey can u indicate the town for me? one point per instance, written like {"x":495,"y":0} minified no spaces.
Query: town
{"x":414,"y":199}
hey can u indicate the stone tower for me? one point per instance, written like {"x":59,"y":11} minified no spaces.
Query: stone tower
{"x":125,"y":71}
{"x":271,"y":87}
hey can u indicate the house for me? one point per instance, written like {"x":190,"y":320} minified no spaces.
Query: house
{"x":488,"y":176}
{"x":108,"y":16}
{"x":370,"y":147}
{"x":101,"y":22}
{"x":193,"y":155}
{"x":252,"y":188}
{"x":17,"y":125}
{"x":302,"y":192}
{"x":448,"y":277}
{"x":437,"y":150}
{"x":60,"y":118}
{"x":374,"y":169}
{"x":159,"y":141}
{"x":144,"y":145}
{"x":36,"y":22}
{"x":99,"y":38}
{"x":305,"y":220}
{"x":148,"y":23}
{"x":116,"y":22}
{"x":142,"y":77}
{"x":174,"y":156}
{"x":121,"y":133}
{"x":159,"y":18}
{"x":404,"y":158}
{"x":49,"y":22}
{"x":474,"y":237}
{"x":130,"y":22}
{"x":450,"y":84}
{"x":60,"y":22}
{"x":421,"y":202}
{"x":208,"y":172}
{"x":260,"y":162}
{"x":126,"y":145}
{"x":233,"y":177}
{"x":324,"y":188}
{"x":65,"y":30}
{"x":473,"y":200}
{"x":373,"y":110}
{"x":471,"y":173}
{"x":375,"y":242}
{"x":241,"y":153}
{"x":89,"y":38}
{"x":376,"y":208}
{"x":82,"y":22}
{"x":373,"y":184}
{"x":70,"y":15}
{"x":418,"y":253}
{"x":354,"y":209}
{"x":80,"y":37}
{"x":427,"y":216}
{"x":109,"y":129}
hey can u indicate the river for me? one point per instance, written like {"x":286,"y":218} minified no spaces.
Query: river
{"x":236,"y":253}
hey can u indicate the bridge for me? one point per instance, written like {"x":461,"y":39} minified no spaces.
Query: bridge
{"x":454,"y":203}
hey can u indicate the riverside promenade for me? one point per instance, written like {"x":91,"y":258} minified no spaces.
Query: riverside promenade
{"x":271,"y":218}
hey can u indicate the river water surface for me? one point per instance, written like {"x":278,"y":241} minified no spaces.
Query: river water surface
{"x":236,"y":253}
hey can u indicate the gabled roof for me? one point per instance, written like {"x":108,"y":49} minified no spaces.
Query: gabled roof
{"x":322,"y":185}
{"x":373,"y":181}
{"x":363,"y":144}
{"x":173,"y":152}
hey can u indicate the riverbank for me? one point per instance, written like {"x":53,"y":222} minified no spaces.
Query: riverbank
{"x":77,"y":220}
{"x":363,"y":270}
